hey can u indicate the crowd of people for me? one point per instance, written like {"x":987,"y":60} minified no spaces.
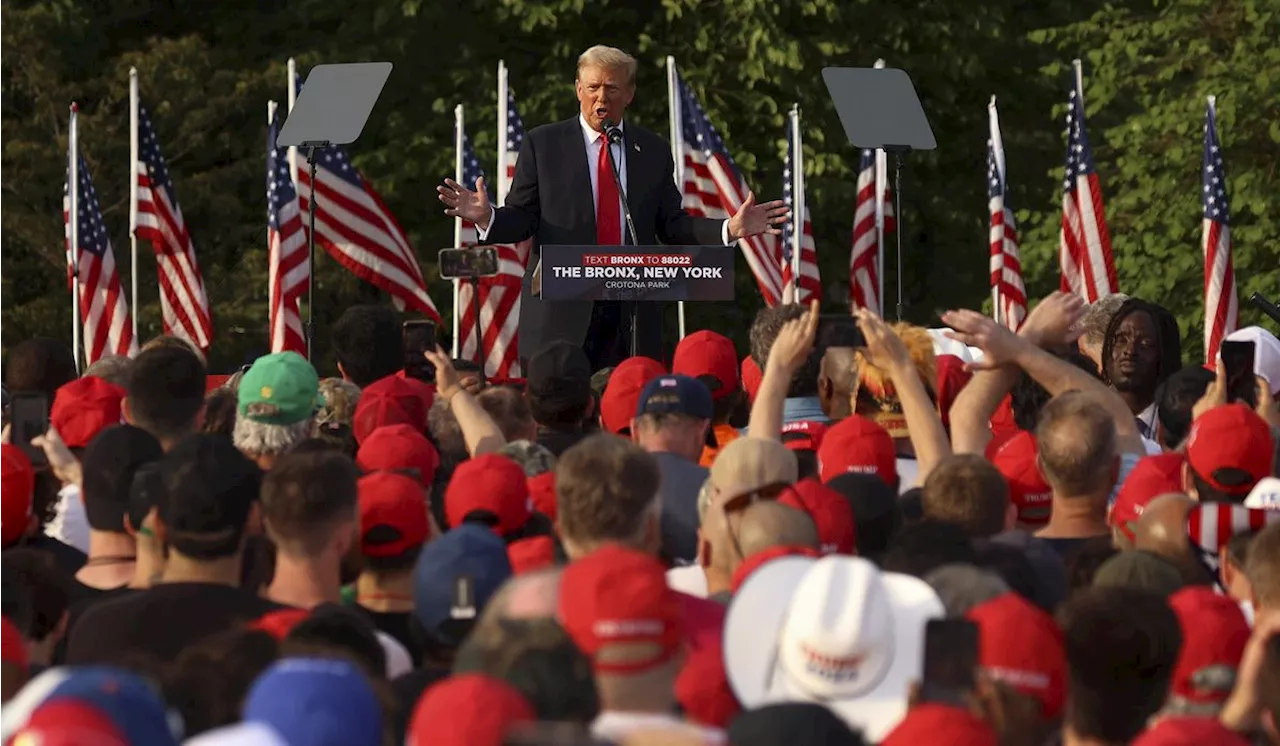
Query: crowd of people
{"x":861,"y":532}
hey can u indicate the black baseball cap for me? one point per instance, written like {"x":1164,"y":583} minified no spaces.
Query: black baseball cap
{"x":676,"y":394}
{"x":792,"y":722}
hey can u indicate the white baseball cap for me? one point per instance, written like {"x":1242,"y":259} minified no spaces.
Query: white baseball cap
{"x":1265,"y":494}
{"x":833,"y":630}
{"x":1266,"y":353}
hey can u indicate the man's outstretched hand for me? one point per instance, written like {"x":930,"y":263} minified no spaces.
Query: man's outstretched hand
{"x":752,"y":219}
{"x":464,"y":203}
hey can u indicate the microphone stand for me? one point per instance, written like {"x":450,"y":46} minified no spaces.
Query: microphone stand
{"x":613,"y":136}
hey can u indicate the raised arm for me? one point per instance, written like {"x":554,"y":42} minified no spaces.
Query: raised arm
{"x":790,"y":349}
{"x":479,"y":431}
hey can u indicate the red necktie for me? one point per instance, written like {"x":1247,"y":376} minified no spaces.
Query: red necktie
{"x":608,"y":221}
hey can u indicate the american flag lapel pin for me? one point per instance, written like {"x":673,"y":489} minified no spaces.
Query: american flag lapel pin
{"x":636,"y":145}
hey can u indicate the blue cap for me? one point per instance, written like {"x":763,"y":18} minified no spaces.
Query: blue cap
{"x":441,"y":591}
{"x":676,"y":395}
{"x":133,"y":705}
{"x":317,"y":702}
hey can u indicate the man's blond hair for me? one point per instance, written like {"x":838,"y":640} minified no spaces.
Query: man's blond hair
{"x":609,"y":58}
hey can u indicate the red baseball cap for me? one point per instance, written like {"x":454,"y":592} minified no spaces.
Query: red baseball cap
{"x":805,"y":435}
{"x":533,"y":553}
{"x":542,"y":490}
{"x":1230,"y":436}
{"x":279,"y":623}
{"x":1189,"y":731}
{"x":622,"y":393}
{"x":398,"y":448}
{"x":469,"y":709}
{"x":1002,"y":422}
{"x":706,"y":353}
{"x":831,"y":513}
{"x":18,"y":480}
{"x":70,"y":722}
{"x":703,"y":690}
{"x":1214,"y":635}
{"x":1022,"y":646}
{"x":856,"y":444}
{"x":760,"y":559}
{"x":1152,"y":477}
{"x":13,"y":649}
{"x":940,"y":725}
{"x":619,"y":595}
{"x":85,"y":407}
{"x":391,"y":501}
{"x":1015,"y":458}
{"x":493,"y":483}
{"x":951,"y":378}
{"x":751,"y":377}
{"x":388,"y":401}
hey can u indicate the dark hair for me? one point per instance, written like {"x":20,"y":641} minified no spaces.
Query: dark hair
{"x":166,"y":391}
{"x":39,"y":364}
{"x":1121,"y":646}
{"x":1013,"y":566}
{"x":47,"y":587}
{"x":539,"y":659}
{"x":402,"y":562}
{"x":1168,"y":338}
{"x":368,"y":343}
{"x":209,"y":488}
{"x":337,"y":631}
{"x":111,"y":461}
{"x":208,"y":682}
{"x":923,"y":547}
{"x":764,"y":332}
{"x":220,"y":413}
{"x":305,"y":495}
{"x":1028,"y":397}
{"x":1174,"y":400}
{"x":876,"y":517}
{"x":1227,"y":475}
{"x":564,"y":411}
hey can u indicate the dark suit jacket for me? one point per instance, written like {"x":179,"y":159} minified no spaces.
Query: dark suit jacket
{"x":550,"y":200}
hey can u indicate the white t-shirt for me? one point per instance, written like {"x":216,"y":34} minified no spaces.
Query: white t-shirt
{"x":689,"y":579}
{"x":70,"y":525}
{"x":908,"y":474}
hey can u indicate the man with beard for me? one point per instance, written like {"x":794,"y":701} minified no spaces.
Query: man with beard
{"x":1141,"y":349}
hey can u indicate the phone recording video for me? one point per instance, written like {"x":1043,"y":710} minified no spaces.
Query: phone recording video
{"x":29,"y":415}
{"x":1237,"y":359}
{"x":839,"y":330}
{"x":419,"y":337}
{"x":950,"y":661}
{"x":464,"y":264}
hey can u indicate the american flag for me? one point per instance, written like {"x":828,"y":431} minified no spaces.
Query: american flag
{"x":108,"y":330}
{"x":358,"y":230}
{"x":287,"y":250}
{"x":714,"y":188}
{"x":1084,"y":246}
{"x":1006,"y":269}
{"x":183,"y":302}
{"x":864,"y":255}
{"x":809,"y":286}
{"x":499,"y":295}
{"x":1221,"y":314}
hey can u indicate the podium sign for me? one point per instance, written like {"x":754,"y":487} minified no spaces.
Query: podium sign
{"x":637,"y":273}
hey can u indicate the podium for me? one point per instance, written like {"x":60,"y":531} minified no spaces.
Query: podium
{"x":637,"y":274}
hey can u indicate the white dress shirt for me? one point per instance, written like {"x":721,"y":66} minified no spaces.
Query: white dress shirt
{"x":593,"y":141}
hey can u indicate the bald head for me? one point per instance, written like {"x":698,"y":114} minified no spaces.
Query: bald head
{"x":837,"y":375}
{"x":770,"y":524}
{"x":1076,"y":438}
{"x":1161,"y":530}
{"x":534,"y":595}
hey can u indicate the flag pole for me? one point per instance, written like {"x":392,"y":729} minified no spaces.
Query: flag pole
{"x":677,"y":155}
{"x":502,"y":132}
{"x":797,"y":201}
{"x":997,"y":148}
{"x":457,"y":222}
{"x":292,"y":99}
{"x":73,"y":229}
{"x":133,"y":196}
{"x":882,"y":178}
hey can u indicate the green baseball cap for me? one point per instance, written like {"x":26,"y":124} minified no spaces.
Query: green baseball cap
{"x":279,"y":389}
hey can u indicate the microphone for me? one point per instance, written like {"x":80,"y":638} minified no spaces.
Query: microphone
{"x":611,"y":131}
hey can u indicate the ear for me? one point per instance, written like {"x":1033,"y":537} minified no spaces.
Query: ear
{"x":1188,"y":483}
{"x":126,"y":411}
{"x":129,"y":528}
{"x":1010,"y":516}
{"x":634,"y":435}
{"x":161,"y":531}
{"x":342,"y":372}
{"x":345,"y":538}
{"x":913,"y":694}
{"x":255,"y":524}
{"x":704,"y":550}
{"x":1227,"y":569}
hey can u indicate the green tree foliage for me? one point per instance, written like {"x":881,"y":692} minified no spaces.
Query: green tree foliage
{"x":1148,"y":70}
{"x":207,"y":69}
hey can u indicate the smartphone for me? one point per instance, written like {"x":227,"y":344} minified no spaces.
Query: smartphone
{"x":464,"y":264}
{"x":950,"y":661}
{"x":1237,"y":358}
{"x":29,"y":416}
{"x":419,"y":336}
{"x":839,"y":330}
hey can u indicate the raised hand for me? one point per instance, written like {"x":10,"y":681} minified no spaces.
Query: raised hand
{"x":795,"y":341}
{"x":885,"y":349}
{"x":999,"y":345}
{"x":1054,"y":322}
{"x":752,"y":219}
{"x":464,"y":203}
{"x":448,"y":381}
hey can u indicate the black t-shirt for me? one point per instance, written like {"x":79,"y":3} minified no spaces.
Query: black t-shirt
{"x":408,"y":689}
{"x":82,"y":598}
{"x":68,"y":558}
{"x":397,"y":624}
{"x":1065,"y":547}
{"x":559,"y":441}
{"x":161,"y":621}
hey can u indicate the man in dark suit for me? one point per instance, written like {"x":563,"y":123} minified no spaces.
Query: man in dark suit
{"x":564,"y":192}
